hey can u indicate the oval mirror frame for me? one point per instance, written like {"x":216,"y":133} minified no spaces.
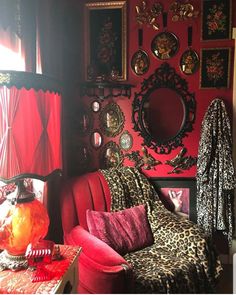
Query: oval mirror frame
{"x":163,"y":77}
{"x":111,"y":156}
{"x":111,"y":119}
{"x":95,"y":106}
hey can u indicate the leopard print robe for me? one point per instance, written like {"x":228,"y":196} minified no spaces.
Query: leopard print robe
{"x":182,"y":259}
{"x":216,"y":179}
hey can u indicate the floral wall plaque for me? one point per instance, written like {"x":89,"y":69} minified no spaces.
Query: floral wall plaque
{"x":215,"y":68}
{"x":216,"y":19}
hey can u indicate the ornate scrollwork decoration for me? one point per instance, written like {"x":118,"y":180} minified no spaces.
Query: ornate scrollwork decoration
{"x":145,"y":161}
{"x":183,"y":11}
{"x":148,"y":16}
{"x":164,"y":78}
{"x":181,"y":162}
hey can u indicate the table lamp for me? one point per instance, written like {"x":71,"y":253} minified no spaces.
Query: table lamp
{"x":30,"y":147}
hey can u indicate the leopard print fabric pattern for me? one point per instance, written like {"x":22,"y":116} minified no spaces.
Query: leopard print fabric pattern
{"x":182,"y":258}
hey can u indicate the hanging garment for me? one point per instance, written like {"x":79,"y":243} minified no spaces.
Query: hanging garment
{"x":215,"y":172}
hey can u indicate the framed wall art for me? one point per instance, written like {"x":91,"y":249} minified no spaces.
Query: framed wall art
{"x":105,"y":40}
{"x":215,"y":67}
{"x":140,"y":62}
{"x":177,"y":194}
{"x":189,"y":62}
{"x":126,"y":141}
{"x":111,"y":155}
{"x":165,"y":45}
{"x":111,"y":119}
{"x":216,"y":19}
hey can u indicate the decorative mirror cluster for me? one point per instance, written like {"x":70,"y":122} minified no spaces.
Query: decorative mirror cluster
{"x":164,"y":110}
{"x":111,"y":120}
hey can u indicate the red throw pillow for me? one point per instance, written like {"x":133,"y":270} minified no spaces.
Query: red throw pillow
{"x":125,"y":231}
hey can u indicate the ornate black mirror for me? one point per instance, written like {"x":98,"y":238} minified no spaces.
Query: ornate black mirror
{"x":164,"y":110}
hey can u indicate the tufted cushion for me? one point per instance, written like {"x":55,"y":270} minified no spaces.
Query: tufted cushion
{"x":125,"y":231}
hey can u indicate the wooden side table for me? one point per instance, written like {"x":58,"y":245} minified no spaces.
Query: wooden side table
{"x":65,"y":274}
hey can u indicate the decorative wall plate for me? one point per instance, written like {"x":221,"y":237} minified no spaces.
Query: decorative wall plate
{"x":126,"y":141}
{"x":189,"y":62}
{"x":111,"y":155}
{"x":140,"y":62}
{"x":111,"y":120}
{"x":165,"y":45}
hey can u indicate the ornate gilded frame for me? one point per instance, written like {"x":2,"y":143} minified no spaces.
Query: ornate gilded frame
{"x":111,"y":120}
{"x":111,"y":159}
{"x":105,"y":24}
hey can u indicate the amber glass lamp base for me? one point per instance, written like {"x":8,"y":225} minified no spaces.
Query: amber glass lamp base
{"x":23,"y":221}
{"x":12,"y":262}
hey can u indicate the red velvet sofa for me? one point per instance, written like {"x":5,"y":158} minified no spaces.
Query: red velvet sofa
{"x":181,"y":259}
{"x":101,"y":269}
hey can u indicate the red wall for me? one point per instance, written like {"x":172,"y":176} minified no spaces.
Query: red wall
{"x":203,"y":96}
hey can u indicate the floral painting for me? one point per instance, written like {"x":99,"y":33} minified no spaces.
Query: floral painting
{"x":189,"y":62}
{"x":105,"y":39}
{"x":215,"y":69}
{"x":165,"y":45}
{"x":216,"y":19}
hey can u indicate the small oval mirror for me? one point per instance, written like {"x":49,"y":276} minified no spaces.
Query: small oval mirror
{"x":96,"y":139}
{"x":96,"y":106}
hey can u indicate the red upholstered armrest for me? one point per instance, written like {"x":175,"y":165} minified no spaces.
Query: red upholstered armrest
{"x":94,"y":248}
{"x":101,"y":269}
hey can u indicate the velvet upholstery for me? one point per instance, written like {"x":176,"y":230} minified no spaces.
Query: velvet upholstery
{"x":101,"y":269}
{"x":181,"y":260}
{"x":125,"y":231}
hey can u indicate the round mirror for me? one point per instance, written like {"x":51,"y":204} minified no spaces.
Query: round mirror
{"x":96,"y":139}
{"x":164,"y":110}
{"x":164,"y":113}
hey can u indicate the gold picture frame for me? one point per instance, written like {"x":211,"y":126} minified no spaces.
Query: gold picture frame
{"x":111,"y":120}
{"x":111,"y":156}
{"x":105,"y":40}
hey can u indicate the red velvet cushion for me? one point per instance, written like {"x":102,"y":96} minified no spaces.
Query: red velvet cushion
{"x":125,"y":231}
